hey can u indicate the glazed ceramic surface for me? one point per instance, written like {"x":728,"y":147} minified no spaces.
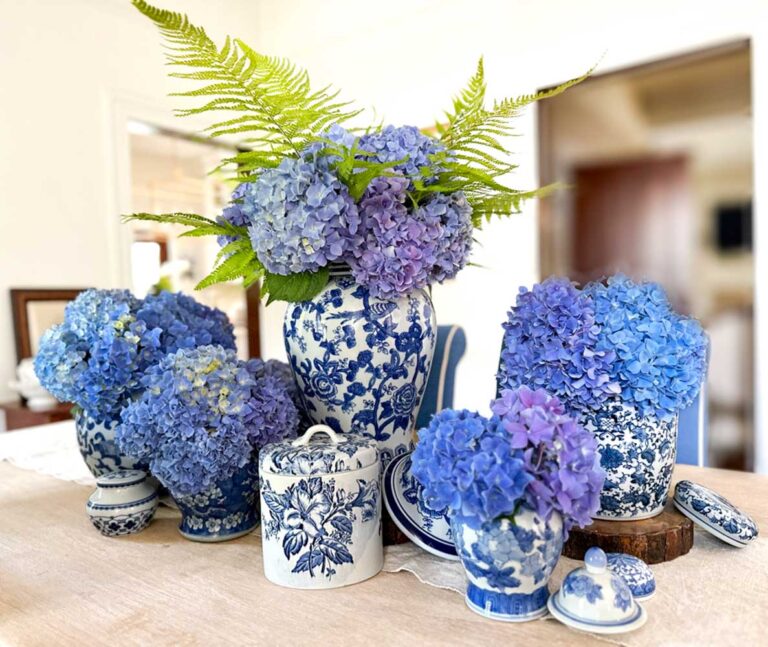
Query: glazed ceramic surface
{"x":425,"y":527}
{"x":321,"y":509}
{"x":509,"y":564}
{"x":99,"y":448}
{"x":362,"y":363}
{"x":225,"y":511}
{"x":124,"y":502}
{"x":637,"y":575}
{"x":595,"y":599}
{"x":638,"y":455}
{"x":715,"y":514}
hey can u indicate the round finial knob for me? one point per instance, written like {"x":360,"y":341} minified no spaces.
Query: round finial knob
{"x":595,"y":560}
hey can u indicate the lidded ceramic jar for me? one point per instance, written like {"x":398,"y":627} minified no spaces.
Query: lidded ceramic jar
{"x":321,"y":510}
{"x":124,"y":502}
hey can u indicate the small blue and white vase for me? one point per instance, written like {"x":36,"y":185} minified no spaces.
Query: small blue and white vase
{"x":362,"y":363}
{"x":99,"y":448}
{"x":508,"y":563}
{"x":638,"y":455}
{"x":225,"y":511}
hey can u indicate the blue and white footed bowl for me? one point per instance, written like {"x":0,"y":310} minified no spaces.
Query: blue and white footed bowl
{"x":595,"y":599}
{"x":225,"y":511}
{"x":637,"y":575}
{"x":362,"y":363}
{"x":99,"y":448}
{"x":638,"y":455}
{"x":715,"y":514}
{"x":509,"y":564}
{"x":124,"y":502}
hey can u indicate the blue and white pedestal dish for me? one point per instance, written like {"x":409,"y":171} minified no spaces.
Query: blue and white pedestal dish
{"x":637,"y":575}
{"x":595,"y":599}
{"x":638,"y":454}
{"x":426,"y":528}
{"x":99,"y":448}
{"x":227,"y":510}
{"x":715,"y":514}
{"x":509,"y":564}
{"x":321,"y":507}
{"x":124,"y":502}
{"x":362,"y":363}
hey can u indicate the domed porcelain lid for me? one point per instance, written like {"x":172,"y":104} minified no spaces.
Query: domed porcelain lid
{"x":714,"y":513}
{"x":426,"y":528}
{"x":319,"y":451}
{"x":595,"y":599}
{"x":637,"y":575}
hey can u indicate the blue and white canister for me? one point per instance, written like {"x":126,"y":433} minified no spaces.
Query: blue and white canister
{"x":321,"y":510}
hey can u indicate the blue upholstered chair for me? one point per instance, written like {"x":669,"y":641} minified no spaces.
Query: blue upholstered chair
{"x":692,"y":431}
{"x":449,"y":349}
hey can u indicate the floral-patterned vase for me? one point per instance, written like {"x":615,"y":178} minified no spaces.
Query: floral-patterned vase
{"x":99,"y":448}
{"x":638,"y":454}
{"x":226,"y":511}
{"x":362,"y":363}
{"x":509,"y":564}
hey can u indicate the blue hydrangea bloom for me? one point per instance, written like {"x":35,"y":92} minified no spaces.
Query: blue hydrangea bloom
{"x":397,"y":250}
{"x":234,"y":214}
{"x":301,"y":216}
{"x":201,"y":416}
{"x":660,"y":356}
{"x":551,"y":342}
{"x":454,"y":243}
{"x":396,"y":143}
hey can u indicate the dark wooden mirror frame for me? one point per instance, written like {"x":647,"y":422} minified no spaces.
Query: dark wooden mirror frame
{"x":20,"y":298}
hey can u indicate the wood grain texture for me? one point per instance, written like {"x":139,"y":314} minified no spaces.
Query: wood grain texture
{"x":62,"y":583}
{"x":660,"y":539}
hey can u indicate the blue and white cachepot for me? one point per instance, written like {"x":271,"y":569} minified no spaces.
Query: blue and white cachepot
{"x":225,"y":511}
{"x":362,"y":363}
{"x":321,"y":506}
{"x":508,"y":563}
{"x":638,"y":455}
{"x":98,"y":446}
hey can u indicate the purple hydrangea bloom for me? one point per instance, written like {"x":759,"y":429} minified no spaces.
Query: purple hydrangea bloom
{"x":396,"y":143}
{"x":455,"y":241}
{"x":234,"y":214}
{"x":551,"y":342}
{"x":301,"y":216}
{"x":201,"y":417}
{"x":397,"y":249}
{"x":660,"y":356}
{"x":560,"y":456}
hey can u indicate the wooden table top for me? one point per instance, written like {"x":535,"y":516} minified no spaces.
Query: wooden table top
{"x":62,"y":583}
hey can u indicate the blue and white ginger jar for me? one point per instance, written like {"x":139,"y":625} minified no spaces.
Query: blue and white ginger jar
{"x":638,"y":455}
{"x":321,"y":507}
{"x":99,"y":448}
{"x":362,"y":363}
{"x":225,"y":511}
{"x":509,"y":564}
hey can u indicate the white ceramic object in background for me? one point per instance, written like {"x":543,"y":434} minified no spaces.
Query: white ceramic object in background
{"x":28,"y":387}
{"x":595,"y":599}
{"x":321,"y":510}
{"x":124,"y":502}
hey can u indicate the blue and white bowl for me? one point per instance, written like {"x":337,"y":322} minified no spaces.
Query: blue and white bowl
{"x":124,"y":502}
{"x":595,"y":599}
{"x":715,"y":514}
{"x":426,"y":528}
{"x":637,"y":575}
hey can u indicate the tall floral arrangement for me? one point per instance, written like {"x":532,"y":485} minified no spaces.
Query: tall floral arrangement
{"x":396,"y":205}
{"x":97,"y":356}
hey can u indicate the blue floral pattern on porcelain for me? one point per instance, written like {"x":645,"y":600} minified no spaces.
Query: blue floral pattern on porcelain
{"x":98,"y":446}
{"x":638,"y":455}
{"x":714,"y":512}
{"x":362,"y":363}
{"x":412,"y":492}
{"x":317,"y":519}
{"x":583,"y":586}
{"x":636,"y":574}
{"x":351,"y":453}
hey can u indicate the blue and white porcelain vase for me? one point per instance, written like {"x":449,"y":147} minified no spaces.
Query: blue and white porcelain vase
{"x":99,"y":448}
{"x":225,"y":511}
{"x":508,"y":563}
{"x":362,"y":363}
{"x":638,"y":455}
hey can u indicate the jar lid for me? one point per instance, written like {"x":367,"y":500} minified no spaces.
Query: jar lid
{"x":312,"y":455}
